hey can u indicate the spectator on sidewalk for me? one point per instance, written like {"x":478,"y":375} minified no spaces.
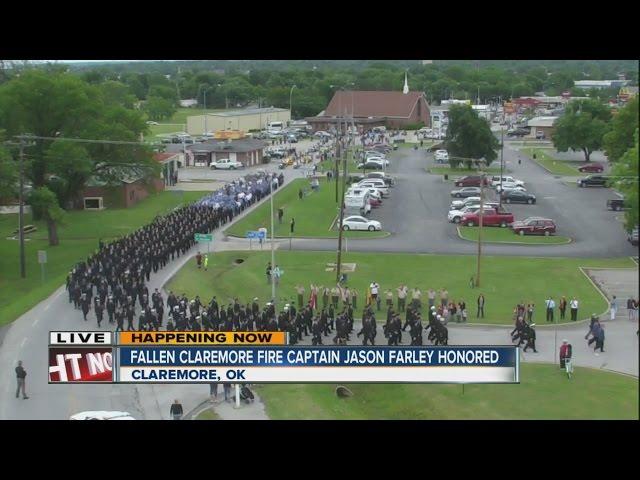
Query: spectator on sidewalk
{"x":21,"y":375}
{"x":573,"y":305}
{"x":613,"y":307}
{"x":176,"y":410}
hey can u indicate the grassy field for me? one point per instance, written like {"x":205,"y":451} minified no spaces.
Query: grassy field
{"x":557,"y":167}
{"x":314,"y":214}
{"x":544,"y":393}
{"x":226,"y":279}
{"x":208,"y":414}
{"x":78,"y":238}
{"x":462,"y":171}
{"x":506,"y":235}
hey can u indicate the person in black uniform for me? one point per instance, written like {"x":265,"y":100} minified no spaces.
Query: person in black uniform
{"x":86,"y":303}
{"x":99,"y":309}
{"x":119,"y":319}
{"x":316,"y":331}
{"x":531,"y":338}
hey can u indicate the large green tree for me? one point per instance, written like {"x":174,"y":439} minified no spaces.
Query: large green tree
{"x":469,"y":137}
{"x":621,"y":135}
{"x":60,"y":106}
{"x":45,"y":205}
{"x":8,"y":175}
{"x":625,"y":174}
{"x":582,"y":127}
{"x":158,"y":108}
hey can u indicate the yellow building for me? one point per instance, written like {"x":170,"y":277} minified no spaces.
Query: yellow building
{"x":247,"y":119}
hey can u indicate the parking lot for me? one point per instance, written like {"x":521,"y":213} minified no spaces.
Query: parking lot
{"x":416,"y":212}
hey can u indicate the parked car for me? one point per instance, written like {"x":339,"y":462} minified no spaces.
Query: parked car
{"x":518,"y":132}
{"x":370,"y":165}
{"x":102,"y":415}
{"x":495,"y":180}
{"x":382,"y":176}
{"x":149,"y":122}
{"x":591,"y":168}
{"x":458,"y":204}
{"x":466,"y":192}
{"x":490,"y":217}
{"x":593,"y":181}
{"x":321,"y":133}
{"x":508,"y":186}
{"x":455,"y":216}
{"x":534,"y":226}
{"x":292,"y":139}
{"x":518,"y":196}
{"x":225,"y":164}
{"x":539,"y":135}
{"x":442,"y":156}
{"x":375,"y":183}
{"x":356,"y":222}
{"x":632,"y":237}
{"x":616,"y":204}
{"x":472,"y":181}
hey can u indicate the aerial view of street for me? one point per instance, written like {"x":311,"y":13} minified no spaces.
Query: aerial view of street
{"x":423,"y":240}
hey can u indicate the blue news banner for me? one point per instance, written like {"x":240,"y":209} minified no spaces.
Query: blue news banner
{"x":326,"y":364}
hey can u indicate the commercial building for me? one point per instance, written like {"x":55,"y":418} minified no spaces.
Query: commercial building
{"x":368,"y":109}
{"x":247,"y":119}
{"x":247,"y":151}
{"x":542,"y":124}
{"x":600,"y":84}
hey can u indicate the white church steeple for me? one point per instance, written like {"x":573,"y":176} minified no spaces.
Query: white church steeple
{"x":405,"y":90}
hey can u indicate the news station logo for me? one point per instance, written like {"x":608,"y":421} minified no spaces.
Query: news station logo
{"x":80,"y":365}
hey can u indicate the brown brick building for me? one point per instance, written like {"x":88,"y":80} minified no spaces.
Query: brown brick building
{"x":373,"y":108}
{"x":124,"y":195}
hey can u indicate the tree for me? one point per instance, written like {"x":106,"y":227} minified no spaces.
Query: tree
{"x":582,"y":127}
{"x":159,"y":108}
{"x":8,"y":175}
{"x":45,"y":205}
{"x":626,"y":172}
{"x":621,"y":135}
{"x":469,"y":137}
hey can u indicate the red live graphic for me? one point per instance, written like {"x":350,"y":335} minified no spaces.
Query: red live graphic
{"x":80,"y":365}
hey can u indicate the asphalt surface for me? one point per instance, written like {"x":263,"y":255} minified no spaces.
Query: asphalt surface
{"x":415,"y":213}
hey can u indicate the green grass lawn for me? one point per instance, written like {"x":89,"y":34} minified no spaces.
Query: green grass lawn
{"x":208,"y":414}
{"x":462,"y":171}
{"x":544,"y":393}
{"x":503,"y":235}
{"x":78,"y":239}
{"x":314,"y":214}
{"x":330,"y":164}
{"x":555,"y":166}
{"x":537,"y":278}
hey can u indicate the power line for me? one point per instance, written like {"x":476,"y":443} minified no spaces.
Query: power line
{"x":80,"y":140}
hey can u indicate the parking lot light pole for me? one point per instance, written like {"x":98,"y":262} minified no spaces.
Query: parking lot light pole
{"x":273,"y":254}
{"x":501,"y":162}
{"x":290,"y":104}
{"x":480,"y":222}
{"x":340,"y":229}
{"x":23,"y":271}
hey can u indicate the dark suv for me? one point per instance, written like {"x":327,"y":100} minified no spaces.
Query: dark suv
{"x":472,"y":181}
{"x":593,"y":181}
{"x":518,"y":196}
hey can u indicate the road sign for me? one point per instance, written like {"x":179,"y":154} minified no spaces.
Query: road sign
{"x":204,"y":237}
{"x":42,"y":256}
{"x":256,"y":234}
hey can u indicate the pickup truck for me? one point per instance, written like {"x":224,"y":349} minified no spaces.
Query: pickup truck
{"x":490,"y":217}
{"x":225,"y":164}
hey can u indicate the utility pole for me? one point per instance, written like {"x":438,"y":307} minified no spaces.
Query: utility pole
{"x":341,"y":231}
{"x":23,"y":270}
{"x":501,"y":162}
{"x":480,"y":226}
{"x":273,"y":254}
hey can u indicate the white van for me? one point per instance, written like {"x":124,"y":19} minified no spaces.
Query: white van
{"x":375,"y":183}
{"x":275,"y":126}
{"x":357,"y":202}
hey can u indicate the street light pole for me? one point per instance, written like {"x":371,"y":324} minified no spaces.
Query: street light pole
{"x":501,"y":162}
{"x":273,"y":254}
{"x":341,"y":231}
{"x":290,"y":104}
{"x":23,"y":272}
{"x":480,"y":222}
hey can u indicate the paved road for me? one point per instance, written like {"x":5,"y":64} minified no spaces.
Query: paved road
{"x":415,"y":214}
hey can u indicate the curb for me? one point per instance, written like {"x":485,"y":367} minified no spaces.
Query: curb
{"x":515,"y":243}
{"x":542,"y":166}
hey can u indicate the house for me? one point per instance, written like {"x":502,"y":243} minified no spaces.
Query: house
{"x":248,"y":151}
{"x":188,"y":103}
{"x":368,"y":109}
{"x":98,"y":195}
{"x":246,"y":119}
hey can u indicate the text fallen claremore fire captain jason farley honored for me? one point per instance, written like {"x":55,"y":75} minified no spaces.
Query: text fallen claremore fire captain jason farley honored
{"x":264,"y":357}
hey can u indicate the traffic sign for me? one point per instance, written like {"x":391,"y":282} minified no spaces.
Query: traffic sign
{"x":204,"y":237}
{"x":256,"y":234}
{"x":42,"y":256}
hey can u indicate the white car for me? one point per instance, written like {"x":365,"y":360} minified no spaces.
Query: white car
{"x":378,"y":159}
{"x":152,"y":123}
{"x":375,"y":183}
{"x":321,"y":133}
{"x":458,"y":204}
{"x":225,"y":164}
{"x":356,"y":222}
{"x":507,"y":186}
{"x":101,"y":415}
{"x":442,"y":156}
{"x":496,"y":180}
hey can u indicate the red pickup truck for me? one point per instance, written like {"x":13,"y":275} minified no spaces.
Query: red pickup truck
{"x":490,"y":217}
